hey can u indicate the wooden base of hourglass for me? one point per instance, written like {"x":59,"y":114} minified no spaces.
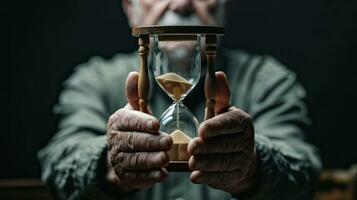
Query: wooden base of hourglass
{"x":178,"y":153}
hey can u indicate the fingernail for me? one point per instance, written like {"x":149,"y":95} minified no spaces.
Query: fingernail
{"x":191,"y":163}
{"x":194,"y":148}
{"x":160,"y":158}
{"x":195,"y":176}
{"x":164,"y":142}
{"x":150,"y":124}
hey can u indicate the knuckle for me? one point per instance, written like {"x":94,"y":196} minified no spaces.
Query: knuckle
{"x":119,"y":172}
{"x":114,"y":144}
{"x":209,"y":127}
{"x":241,"y":119}
{"x":125,"y":120}
{"x":135,"y":160}
{"x":111,"y":139}
{"x":124,"y":175}
{"x":246,"y":118}
{"x":119,"y":160}
{"x":111,"y":120}
{"x":129,"y":141}
{"x":219,"y":178}
{"x":226,"y":162}
{"x":113,"y":151}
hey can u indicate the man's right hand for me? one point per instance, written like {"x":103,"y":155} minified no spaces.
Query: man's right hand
{"x":137,"y":151}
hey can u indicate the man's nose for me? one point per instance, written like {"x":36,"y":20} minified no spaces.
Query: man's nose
{"x":183,"y":7}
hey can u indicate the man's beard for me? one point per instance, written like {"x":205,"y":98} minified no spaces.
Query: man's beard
{"x":170,"y":18}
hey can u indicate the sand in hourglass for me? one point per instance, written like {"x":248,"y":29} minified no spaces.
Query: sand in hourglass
{"x":178,"y":151}
{"x":174,"y":85}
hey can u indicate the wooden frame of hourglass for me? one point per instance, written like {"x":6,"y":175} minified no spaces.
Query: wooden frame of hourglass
{"x":178,"y":33}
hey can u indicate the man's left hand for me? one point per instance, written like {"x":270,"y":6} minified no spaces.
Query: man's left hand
{"x":223,"y":154}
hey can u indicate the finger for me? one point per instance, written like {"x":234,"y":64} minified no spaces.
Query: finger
{"x":131,"y":90}
{"x":223,"y":93}
{"x":230,"y":122}
{"x":219,"y":162}
{"x":219,"y":144}
{"x":140,"y":160}
{"x":138,"y":141}
{"x":132,"y":120}
{"x":135,"y":177}
{"x":219,"y":180}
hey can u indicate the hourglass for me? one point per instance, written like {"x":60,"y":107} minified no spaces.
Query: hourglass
{"x":176,"y":67}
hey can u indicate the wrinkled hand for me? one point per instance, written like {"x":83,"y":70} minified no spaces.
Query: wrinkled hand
{"x":136,"y":149}
{"x":223,"y":154}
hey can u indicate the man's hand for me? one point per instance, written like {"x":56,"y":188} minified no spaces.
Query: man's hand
{"x":136,"y":149}
{"x":223,"y":154}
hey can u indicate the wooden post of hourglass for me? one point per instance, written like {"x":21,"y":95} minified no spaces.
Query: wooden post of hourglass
{"x":210,"y":80}
{"x":144,"y":82}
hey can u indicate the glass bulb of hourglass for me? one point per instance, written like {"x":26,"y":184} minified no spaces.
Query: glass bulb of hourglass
{"x":177,"y":69}
{"x":177,"y":116}
{"x":177,"y":119}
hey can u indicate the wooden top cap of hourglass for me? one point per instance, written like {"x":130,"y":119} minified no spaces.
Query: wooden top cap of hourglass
{"x":177,"y":30}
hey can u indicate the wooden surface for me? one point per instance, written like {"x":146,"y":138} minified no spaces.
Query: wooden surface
{"x":334,"y":185}
{"x":177,"y":30}
{"x":24,"y":189}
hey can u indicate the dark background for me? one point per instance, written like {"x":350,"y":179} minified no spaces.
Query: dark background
{"x":44,"y":40}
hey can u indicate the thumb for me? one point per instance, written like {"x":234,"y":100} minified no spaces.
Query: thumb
{"x":131,"y":90}
{"x":223,"y":93}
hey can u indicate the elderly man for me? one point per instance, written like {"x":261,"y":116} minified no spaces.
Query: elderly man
{"x":252,"y":148}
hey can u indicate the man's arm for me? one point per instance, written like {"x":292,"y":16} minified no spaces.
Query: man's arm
{"x":289,"y":165}
{"x":258,"y":149}
{"x":72,"y":160}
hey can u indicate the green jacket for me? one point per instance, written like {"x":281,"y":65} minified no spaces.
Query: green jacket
{"x":72,"y":162}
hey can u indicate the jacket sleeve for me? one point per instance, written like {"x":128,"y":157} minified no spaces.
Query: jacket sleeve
{"x":289,"y":165}
{"x":72,"y":160}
